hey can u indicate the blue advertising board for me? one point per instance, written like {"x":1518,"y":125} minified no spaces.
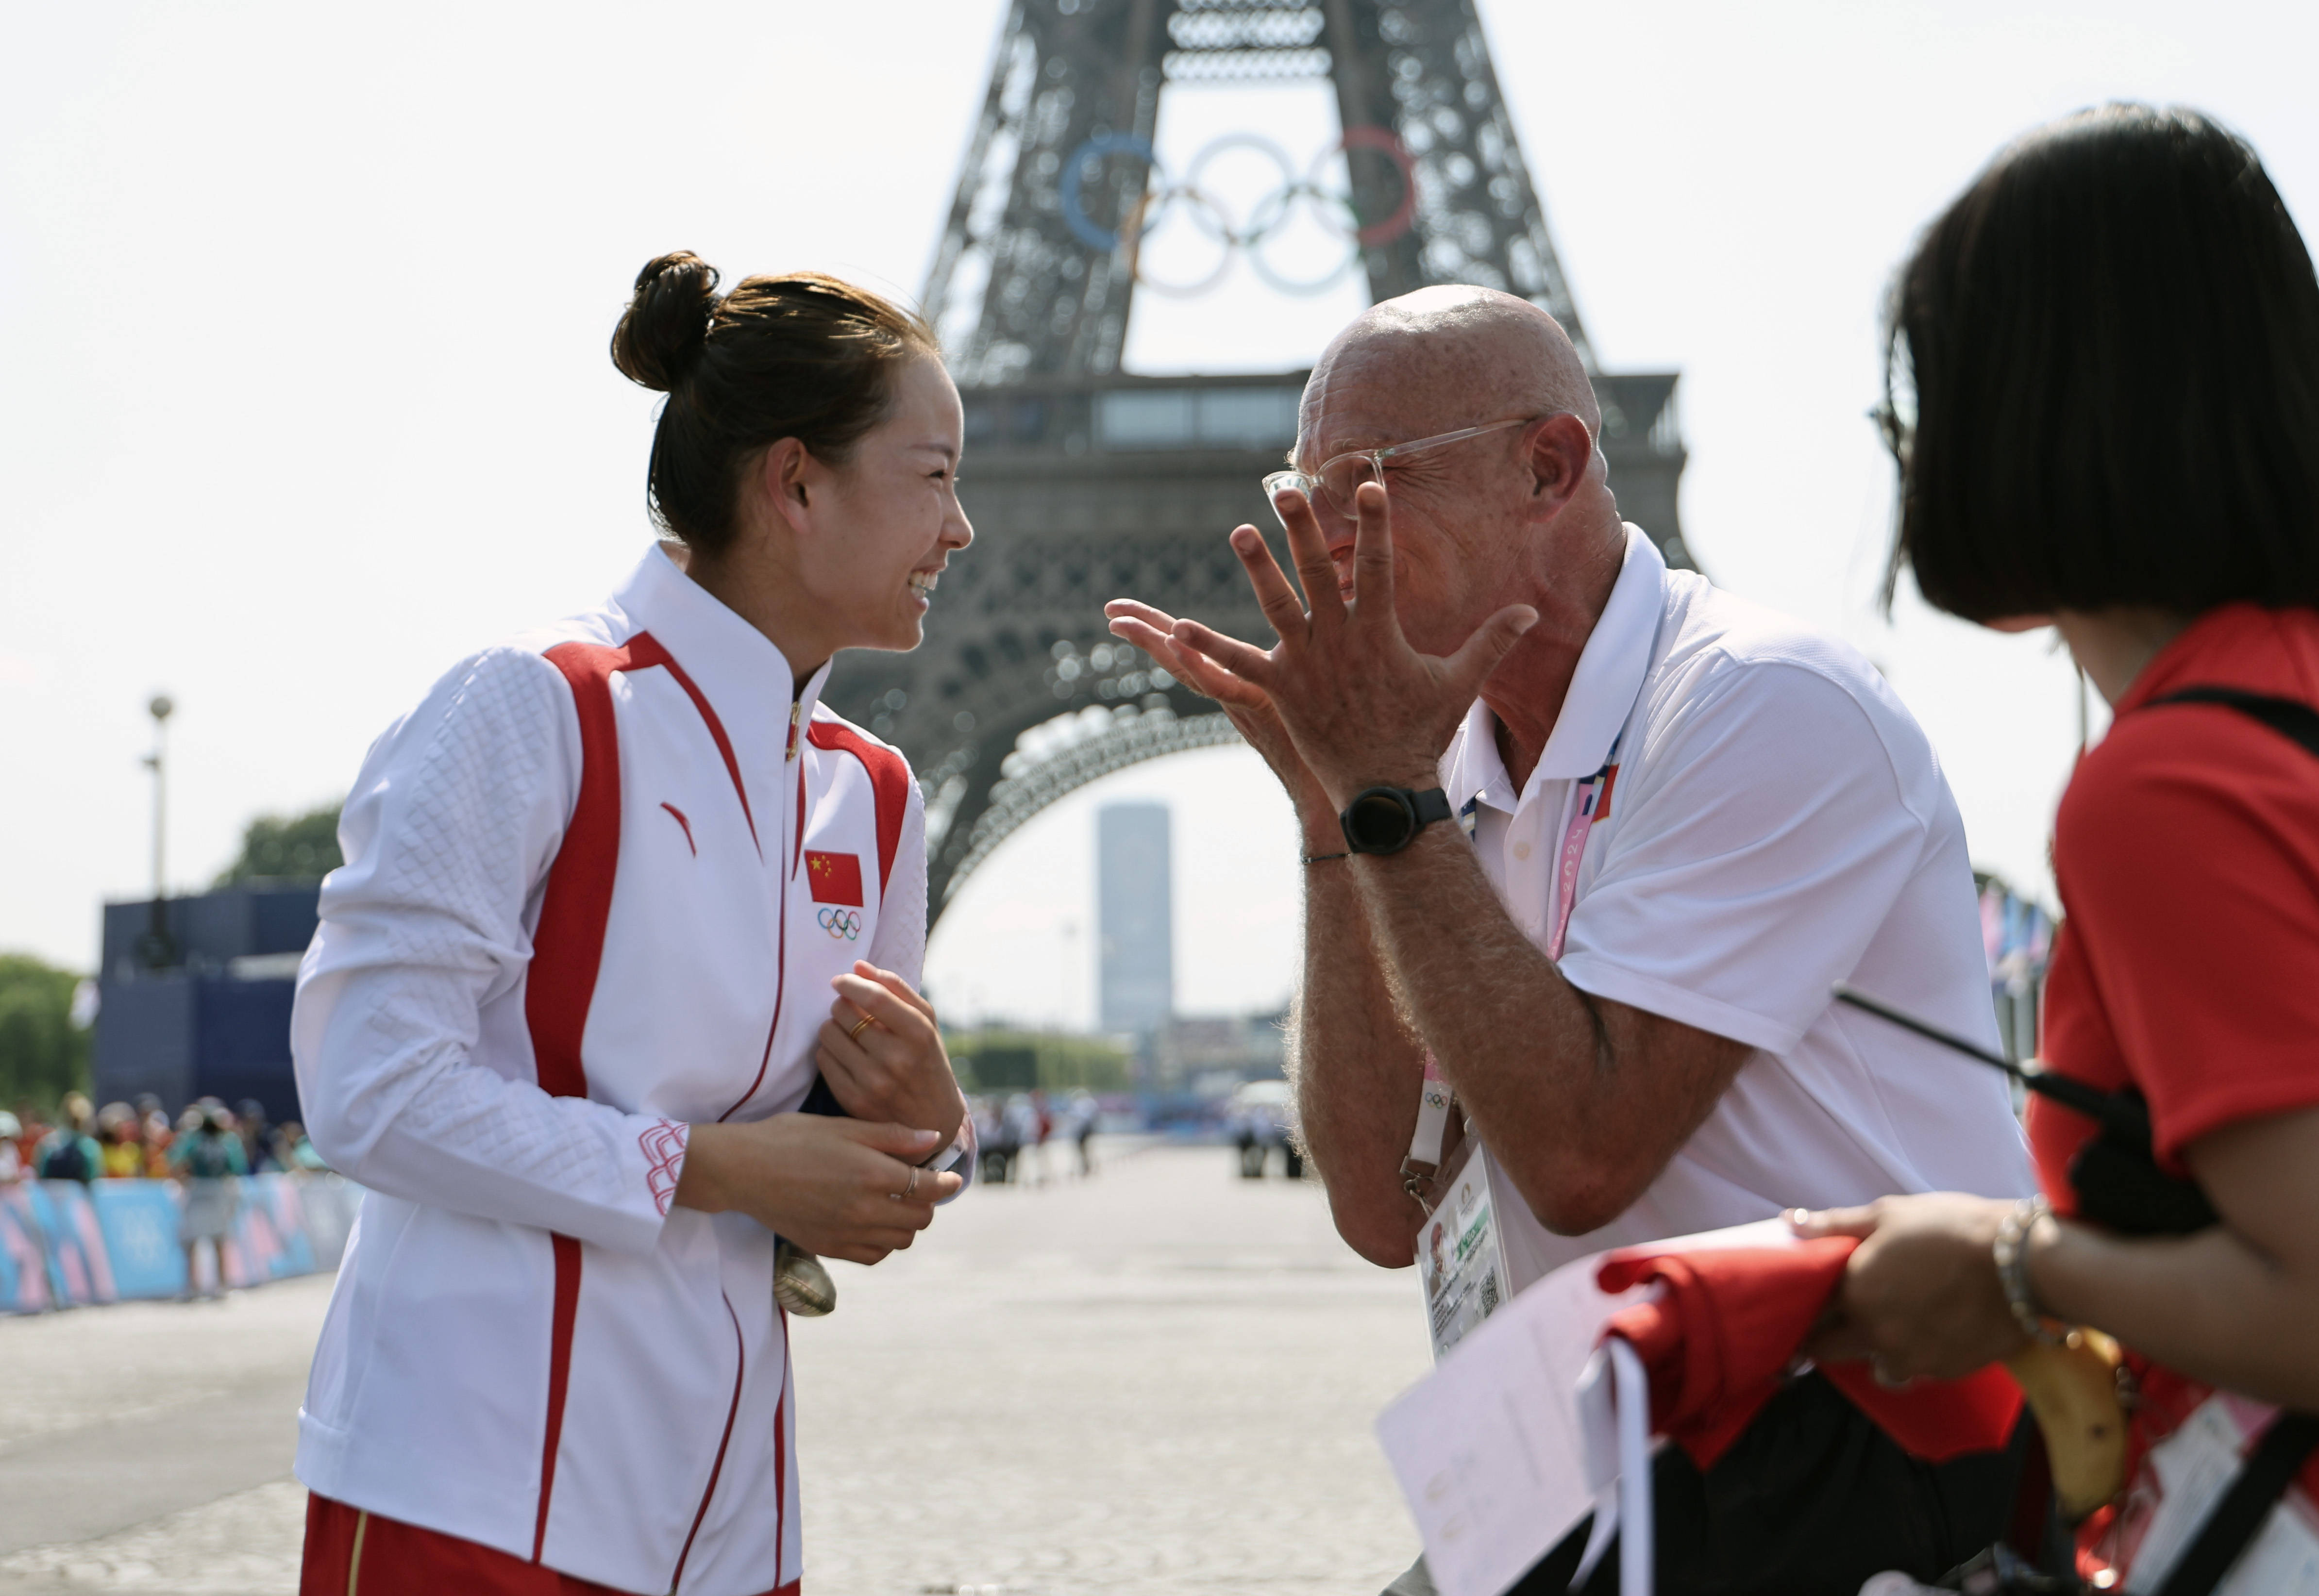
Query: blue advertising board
{"x":63,"y":1244}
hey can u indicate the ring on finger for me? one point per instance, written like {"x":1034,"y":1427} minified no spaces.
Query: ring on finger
{"x":860,"y":1025}
{"x":907,"y":1190}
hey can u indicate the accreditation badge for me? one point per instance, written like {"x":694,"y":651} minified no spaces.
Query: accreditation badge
{"x":1461,"y":1257}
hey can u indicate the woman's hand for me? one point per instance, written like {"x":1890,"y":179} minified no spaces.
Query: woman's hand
{"x":894,"y":1066}
{"x":839,"y":1187}
{"x":1921,"y":1298}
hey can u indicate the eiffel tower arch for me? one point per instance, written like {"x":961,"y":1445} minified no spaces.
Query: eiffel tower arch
{"x":1086,"y":482}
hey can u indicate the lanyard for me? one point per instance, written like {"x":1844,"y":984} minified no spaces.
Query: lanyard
{"x":1591,"y":803}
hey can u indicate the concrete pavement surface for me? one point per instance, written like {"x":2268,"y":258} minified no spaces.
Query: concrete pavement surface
{"x":1157,"y":1381}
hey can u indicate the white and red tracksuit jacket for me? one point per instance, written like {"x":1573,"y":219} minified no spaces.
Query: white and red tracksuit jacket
{"x":596,"y":886}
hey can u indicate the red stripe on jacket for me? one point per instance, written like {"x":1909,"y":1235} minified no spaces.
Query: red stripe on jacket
{"x":889,"y":779}
{"x":568,"y":949}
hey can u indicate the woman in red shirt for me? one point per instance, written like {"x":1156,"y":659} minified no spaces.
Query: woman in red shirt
{"x":2111,"y":341}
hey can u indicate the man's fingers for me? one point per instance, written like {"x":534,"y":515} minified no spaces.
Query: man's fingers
{"x":1135,"y":609}
{"x":1150,"y":637}
{"x":1186,"y":666}
{"x":1278,"y":600}
{"x":1373,"y":556}
{"x":1308,"y":545}
{"x":1243,"y":660}
{"x":1811,"y":1225}
{"x":1471,"y":665}
{"x":1205,"y":677}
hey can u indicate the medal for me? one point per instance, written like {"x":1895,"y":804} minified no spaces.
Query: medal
{"x":800,"y":1284}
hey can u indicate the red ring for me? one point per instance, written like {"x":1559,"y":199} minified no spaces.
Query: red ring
{"x":1389,"y":146}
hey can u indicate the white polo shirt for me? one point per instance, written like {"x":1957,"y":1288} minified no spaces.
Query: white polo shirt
{"x":1777,"y":823}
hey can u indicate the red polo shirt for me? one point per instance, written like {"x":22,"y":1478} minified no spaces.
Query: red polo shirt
{"x":2187,"y":853}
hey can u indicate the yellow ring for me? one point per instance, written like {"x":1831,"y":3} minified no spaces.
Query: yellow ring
{"x":859,"y":1026}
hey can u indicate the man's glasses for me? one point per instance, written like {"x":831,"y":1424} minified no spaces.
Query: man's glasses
{"x":1335,"y":483}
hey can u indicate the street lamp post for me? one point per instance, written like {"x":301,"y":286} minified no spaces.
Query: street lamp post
{"x":158,"y":950}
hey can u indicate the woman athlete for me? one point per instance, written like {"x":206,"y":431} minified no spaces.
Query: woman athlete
{"x":574,"y":983}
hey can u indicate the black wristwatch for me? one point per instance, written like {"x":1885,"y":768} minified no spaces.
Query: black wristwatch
{"x":1388,"y":819}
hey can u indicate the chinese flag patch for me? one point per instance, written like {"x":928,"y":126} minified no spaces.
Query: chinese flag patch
{"x":836,"y":878}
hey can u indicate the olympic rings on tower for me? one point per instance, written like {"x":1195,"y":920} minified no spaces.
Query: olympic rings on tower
{"x":1152,"y":204}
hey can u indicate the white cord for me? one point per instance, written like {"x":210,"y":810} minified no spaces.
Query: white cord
{"x":1614,"y":1415}
{"x":1635,"y":1527}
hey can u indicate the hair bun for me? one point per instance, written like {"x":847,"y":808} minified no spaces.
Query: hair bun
{"x":665,"y":327}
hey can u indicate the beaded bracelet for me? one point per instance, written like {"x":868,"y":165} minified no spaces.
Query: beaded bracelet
{"x":2010,"y":1252}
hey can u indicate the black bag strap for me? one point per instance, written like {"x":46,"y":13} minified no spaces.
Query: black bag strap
{"x":2290,"y":717}
{"x":2261,"y":1481}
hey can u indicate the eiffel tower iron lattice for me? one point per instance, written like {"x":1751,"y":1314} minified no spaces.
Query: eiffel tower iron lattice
{"x":1084,"y":481}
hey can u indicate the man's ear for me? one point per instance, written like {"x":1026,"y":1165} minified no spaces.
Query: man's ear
{"x":782,"y":477}
{"x":1559,"y":454}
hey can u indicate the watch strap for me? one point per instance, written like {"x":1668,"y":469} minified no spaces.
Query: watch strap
{"x":1421,"y":809}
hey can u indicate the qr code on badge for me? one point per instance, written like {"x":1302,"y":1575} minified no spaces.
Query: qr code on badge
{"x":1490,"y":1293}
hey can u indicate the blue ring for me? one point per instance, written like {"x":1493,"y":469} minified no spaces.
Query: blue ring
{"x":1075,"y":216}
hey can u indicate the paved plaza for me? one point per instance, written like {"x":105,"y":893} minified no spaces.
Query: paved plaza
{"x":1157,"y":1381}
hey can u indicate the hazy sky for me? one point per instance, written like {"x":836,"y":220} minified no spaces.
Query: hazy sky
{"x":307,"y":395}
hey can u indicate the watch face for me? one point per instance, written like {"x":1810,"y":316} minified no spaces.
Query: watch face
{"x":1379,"y":822}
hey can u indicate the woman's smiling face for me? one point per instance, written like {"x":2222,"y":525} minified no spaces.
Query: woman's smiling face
{"x":892,"y":517}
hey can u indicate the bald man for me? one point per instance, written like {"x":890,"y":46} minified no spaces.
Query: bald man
{"x":1586,"y":841}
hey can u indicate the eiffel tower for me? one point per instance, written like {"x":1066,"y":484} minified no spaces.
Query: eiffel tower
{"x":1084,"y":481}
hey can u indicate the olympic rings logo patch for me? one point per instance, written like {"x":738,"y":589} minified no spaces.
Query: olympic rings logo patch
{"x":842,"y":924}
{"x":1147,"y":211}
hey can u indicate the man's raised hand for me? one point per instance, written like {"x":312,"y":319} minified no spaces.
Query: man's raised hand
{"x":1153,"y":631}
{"x":1361,"y":706}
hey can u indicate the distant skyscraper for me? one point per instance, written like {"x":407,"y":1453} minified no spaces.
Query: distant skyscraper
{"x":1135,"y":910}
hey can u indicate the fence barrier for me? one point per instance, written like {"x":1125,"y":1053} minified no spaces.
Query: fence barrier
{"x":67,"y":1245}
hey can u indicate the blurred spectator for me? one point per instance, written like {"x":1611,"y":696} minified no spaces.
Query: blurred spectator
{"x":208,"y":1156}
{"x":995,"y":1136}
{"x":11,"y":1164}
{"x":1026,"y":1136}
{"x":293,"y":1152}
{"x":1083,"y":1114}
{"x":31,"y":1129}
{"x":257,"y":1135}
{"x":69,"y":1152}
{"x":121,"y":1142}
{"x":153,"y":1121}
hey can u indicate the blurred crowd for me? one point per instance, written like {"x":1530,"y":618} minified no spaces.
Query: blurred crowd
{"x":207,"y":1140}
{"x":1014,"y":1132}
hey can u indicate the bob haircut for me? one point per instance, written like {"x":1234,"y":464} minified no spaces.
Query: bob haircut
{"x":2112,"y":338}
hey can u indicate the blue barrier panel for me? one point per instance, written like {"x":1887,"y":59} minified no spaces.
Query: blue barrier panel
{"x":80,"y":1272}
{"x":332,"y":1204}
{"x":66,"y":1245}
{"x":23,"y":1254}
{"x":261,"y":1246}
{"x":139,"y":1218}
{"x":283,"y":1199}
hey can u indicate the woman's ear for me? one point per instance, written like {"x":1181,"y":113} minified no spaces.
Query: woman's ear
{"x":781,"y":476}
